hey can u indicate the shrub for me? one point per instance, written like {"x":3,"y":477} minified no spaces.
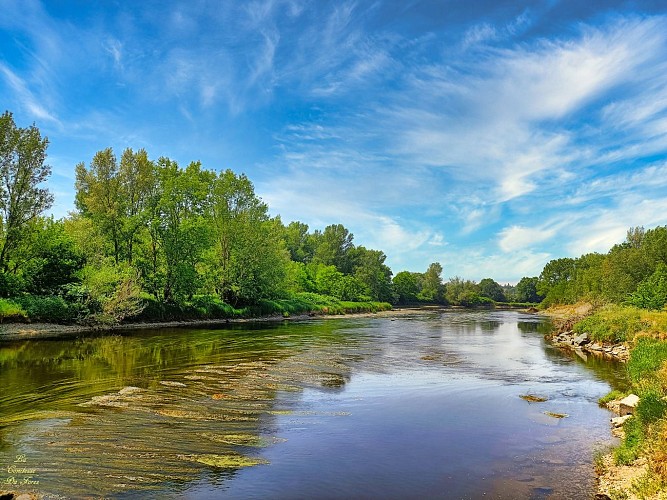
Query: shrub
{"x":49,"y":309}
{"x":11,"y":285}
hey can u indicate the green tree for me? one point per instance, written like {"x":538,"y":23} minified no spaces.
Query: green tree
{"x":432,"y":289}
{"x":22,"y":171}
{"x":652,"y":292}
{"x":333,"y":246}
{"x":526,"y":290}
{"x":489,"y":288}
{"x":250,"y":255}
{"x":407,"y":287}
{"x":371,"y":271}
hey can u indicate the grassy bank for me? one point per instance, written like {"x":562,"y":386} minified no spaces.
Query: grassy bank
{"x":645,"y":434}
{"x":31,"y":309}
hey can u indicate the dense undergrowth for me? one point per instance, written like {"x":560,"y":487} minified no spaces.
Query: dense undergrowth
{"x":200,"y":307}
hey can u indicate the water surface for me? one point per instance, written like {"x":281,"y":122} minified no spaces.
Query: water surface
{"x":426,"y":405}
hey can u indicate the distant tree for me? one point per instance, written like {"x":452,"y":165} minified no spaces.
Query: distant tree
{"x":432,"y":287}
{"x":489,"y":288}
{"x":526,"y":290}
{"x":406,"y":286}
{"x":22,"y":170}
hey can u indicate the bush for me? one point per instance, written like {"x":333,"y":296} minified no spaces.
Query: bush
{"x":50,"y":309}
{"x":11,"y":312}
{"x":11,"y":285}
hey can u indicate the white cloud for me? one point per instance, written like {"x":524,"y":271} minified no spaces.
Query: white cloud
{"x":516,"y":238}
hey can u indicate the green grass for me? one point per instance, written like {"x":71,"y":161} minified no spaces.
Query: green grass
{"x":613,"y":395}
{"x":646,"y":359}
{"x":613,"y":323}
{"x":11,"y":311}
{"x":629,"y":449}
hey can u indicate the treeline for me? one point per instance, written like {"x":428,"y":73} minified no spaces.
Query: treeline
{"x":150,"y":239}
{"x":632,"y":273}
{"x":428,"y":287}
{"x":154,"y":240}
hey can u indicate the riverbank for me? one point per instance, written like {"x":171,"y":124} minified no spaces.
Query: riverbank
{"x":24,"y":331}
{"x":637,"y":468}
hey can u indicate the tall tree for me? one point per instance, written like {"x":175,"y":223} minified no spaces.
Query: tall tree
{"x":99,"y":197}
{"x":22,"y":170}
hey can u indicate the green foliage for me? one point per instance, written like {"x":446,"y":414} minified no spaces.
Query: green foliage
{"x":406,"y":287}
{"x":11,"y":285}
{"x":11,"y":311}
{"x":49,"y":309}
{"x":651,"y":293}
{"x":22,"y":171}
{"x":432,"y":288}
{"x":526,"y":291}
{"x":470,"y":298}
{"x":651,"y":406}
{"x":629,"y":449}
{"x":612,"y":323}
{"x":646,"y":358}
{"x":611,"y":396}
{"x":490,"y":289}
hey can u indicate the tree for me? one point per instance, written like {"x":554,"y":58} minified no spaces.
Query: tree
{"x":489,"y":288}
{"x":98,"y":196}
{"x":406,"y":286}
{"x":432,"y":287}
{"x":371,"y":271}
{"x":652,"y":292}
{"x":22,"y":170}
{"x":250,"y":256}
{"x":526,"y":290}
{"x":333,"y":248}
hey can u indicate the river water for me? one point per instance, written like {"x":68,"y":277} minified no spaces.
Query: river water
{"x":424,"y":405}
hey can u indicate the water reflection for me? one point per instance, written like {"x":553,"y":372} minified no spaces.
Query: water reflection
{"x":330,"y":404}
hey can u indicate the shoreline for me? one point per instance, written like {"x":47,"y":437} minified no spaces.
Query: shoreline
{"x":612,"y":479}
{"x":36,"y":331}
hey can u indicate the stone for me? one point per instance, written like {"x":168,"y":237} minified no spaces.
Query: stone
{"x":627,"y":405}
{"x":581,"y":339}
{"x":619,"y":421}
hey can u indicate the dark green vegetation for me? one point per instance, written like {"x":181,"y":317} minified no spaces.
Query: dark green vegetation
{"x":632,"y":273}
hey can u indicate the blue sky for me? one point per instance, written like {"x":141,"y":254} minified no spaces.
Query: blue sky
{"x":491,"y":136}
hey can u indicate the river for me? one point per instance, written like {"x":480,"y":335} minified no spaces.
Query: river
{"x":423,"y":405}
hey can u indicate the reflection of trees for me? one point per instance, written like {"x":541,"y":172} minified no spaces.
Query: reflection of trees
{"x":201,"y":397}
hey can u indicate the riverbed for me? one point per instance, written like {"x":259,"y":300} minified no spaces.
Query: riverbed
{"x":422,"y":405}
